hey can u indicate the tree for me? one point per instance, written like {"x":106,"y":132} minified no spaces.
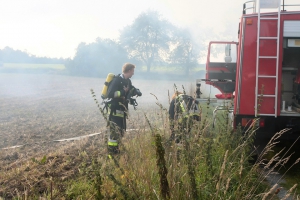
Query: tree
{"x":183,"y":53}
{"x":98,"y":58}
{"x":9,"y":55}
{"x":148,"y":38}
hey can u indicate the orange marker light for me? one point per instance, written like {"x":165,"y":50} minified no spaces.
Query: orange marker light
{"x":249,"y":21}
{"x":262,"y":123}
{"x":246,"y":121}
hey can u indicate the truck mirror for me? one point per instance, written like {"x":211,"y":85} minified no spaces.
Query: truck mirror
{"x":227,"y":57}
{"x":227,"y":50}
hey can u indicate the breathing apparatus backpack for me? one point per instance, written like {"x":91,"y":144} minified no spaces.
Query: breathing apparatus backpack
{"x":109,"y":78}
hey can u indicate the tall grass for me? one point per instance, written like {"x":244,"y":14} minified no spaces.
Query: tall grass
{"x":209,"y":163}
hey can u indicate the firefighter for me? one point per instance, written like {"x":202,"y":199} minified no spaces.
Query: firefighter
{"x":118,"y":90}
{"x":183,"y":112}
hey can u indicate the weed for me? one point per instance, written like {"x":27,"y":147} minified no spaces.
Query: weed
{"x":162,"y":169}
{"x":211,"y":163}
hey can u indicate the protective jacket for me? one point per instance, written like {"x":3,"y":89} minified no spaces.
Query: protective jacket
{"x":183,"y":111}
{"x":184,"y":106}
{"x":117,"y":108}
{"x":118,"y":95}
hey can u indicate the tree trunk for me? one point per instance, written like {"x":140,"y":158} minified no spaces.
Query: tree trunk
{"x":148,"y":67}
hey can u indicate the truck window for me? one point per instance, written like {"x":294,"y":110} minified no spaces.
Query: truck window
{"x":218,"y":52}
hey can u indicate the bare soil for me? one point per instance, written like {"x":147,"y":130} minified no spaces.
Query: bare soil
{"x":36,"y":109}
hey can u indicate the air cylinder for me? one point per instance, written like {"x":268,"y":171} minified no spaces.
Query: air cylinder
{"x":109,"y":78}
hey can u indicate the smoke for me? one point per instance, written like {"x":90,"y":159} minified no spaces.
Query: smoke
{"x":20,"y":85}
{"x":164,"y":89}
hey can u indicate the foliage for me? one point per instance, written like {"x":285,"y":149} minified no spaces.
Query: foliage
{"x":42,"y":161}
{"x":161,"y":164}
{"x":215,"y":162}
{"x":208,"y":164}
{"x":148,"y":38}
{"x":184,"y":53}
{"x":79,"y":189}
{"x":98,"y":58}
{"x":9,"y":55}
{"x":33,"y":66}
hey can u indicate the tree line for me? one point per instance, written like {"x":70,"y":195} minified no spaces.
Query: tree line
{"x":9,"y":55}
{"x":149,"y":41}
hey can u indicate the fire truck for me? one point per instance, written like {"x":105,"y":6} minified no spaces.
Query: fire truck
{"x":261,"y":71}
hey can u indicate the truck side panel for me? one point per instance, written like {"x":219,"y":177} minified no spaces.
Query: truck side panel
{"x":266,"y":86}
{"x":246,"y":74}
{"x":247,"y":92}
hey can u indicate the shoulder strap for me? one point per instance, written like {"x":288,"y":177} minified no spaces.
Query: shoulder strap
{"x":119,"y":77}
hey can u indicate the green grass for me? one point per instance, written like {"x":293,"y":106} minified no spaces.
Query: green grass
{"x":290,"y":181}
{"x":211,"y":163}
{"x":33,"y":66}
{"x":170,"y":69}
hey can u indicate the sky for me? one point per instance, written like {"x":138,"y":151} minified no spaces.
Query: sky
{"x":54,"y":28}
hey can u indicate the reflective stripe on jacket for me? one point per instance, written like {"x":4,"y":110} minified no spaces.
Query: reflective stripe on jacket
{"x":193,"y":111}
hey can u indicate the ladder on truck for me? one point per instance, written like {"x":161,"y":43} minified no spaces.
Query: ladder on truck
{"x":259,"y":57}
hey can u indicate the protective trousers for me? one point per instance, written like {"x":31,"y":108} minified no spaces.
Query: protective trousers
{"x":117,"y":126}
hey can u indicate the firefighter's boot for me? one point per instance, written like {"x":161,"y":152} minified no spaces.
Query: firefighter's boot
{"x":113,"y":147}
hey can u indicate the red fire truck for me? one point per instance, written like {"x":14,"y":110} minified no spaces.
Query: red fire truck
{"x":261,"y":72}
